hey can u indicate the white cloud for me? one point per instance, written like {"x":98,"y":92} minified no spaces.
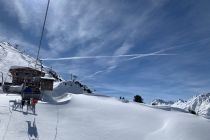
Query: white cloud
{"x":29,"y":13}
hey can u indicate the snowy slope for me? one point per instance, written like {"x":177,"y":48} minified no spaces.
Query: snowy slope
{"x":100,"y":118}
{"x":9,"y":56}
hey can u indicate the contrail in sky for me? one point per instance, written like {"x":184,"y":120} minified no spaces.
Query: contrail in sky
{"x":128,"y":56}
{"x":133,"y":56}
{"x":100,"y":57}
{"x":117,"y":65}
{"x":160,"y":52}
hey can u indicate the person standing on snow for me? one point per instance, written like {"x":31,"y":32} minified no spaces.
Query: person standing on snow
{"x":33,"y":103}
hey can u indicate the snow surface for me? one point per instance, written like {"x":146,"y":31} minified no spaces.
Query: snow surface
{"x":57,"y":100}
{"x":87,"y":117}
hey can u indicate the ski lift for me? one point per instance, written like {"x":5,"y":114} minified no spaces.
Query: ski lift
{"x":28,"y":82}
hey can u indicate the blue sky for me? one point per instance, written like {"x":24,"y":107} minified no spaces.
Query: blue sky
{"x":109,"y":28}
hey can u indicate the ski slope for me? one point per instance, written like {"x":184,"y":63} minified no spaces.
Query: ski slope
{"x":10,"y":56}
{"x":87,"y":117}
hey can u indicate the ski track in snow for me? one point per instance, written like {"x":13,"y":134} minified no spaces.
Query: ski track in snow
{"x":57,"y":122}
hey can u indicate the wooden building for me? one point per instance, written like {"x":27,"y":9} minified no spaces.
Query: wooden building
{"x":31,"y":78}
{"x":24,"y":74}
{"x":47,"y":83}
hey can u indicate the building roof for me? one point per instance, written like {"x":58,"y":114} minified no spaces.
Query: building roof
{"x":48,"y":78}
{"x":24,"y":67}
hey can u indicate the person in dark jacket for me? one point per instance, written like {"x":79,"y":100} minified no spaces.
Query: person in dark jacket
{"x":22,"y":103}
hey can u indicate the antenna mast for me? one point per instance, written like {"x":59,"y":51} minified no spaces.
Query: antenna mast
{"x":40,"y":41}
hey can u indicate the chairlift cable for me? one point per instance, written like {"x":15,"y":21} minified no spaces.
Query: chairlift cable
{"x":42,"y":33}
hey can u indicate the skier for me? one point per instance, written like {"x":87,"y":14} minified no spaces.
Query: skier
{"x":33,"y":103}
{"x":22,"y":104}
{"x":27,"y":90}
{"x":28,"y":104}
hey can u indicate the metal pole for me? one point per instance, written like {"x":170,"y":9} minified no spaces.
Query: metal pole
{"x":40,"y":41}
{"x":2,"y":79}
{"x":41,"y":65}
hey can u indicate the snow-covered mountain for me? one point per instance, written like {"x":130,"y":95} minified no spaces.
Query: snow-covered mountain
{"x":11,"y":56}
{"x":161,"y":102}
{"x":199,"y":104}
